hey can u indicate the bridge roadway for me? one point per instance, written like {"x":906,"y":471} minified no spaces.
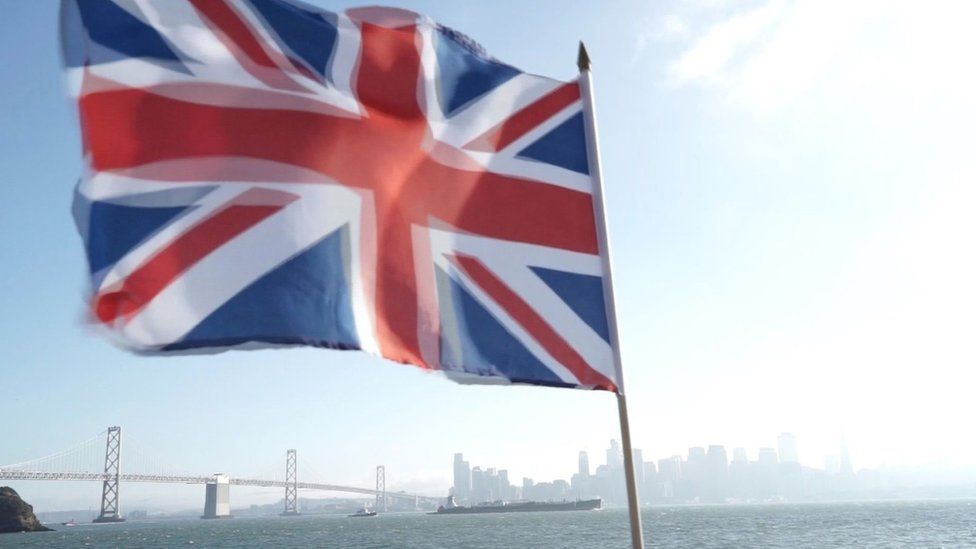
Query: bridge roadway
{"x":101,"y":477}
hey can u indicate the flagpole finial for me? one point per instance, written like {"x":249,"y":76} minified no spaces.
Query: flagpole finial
{"x":583,"y":60}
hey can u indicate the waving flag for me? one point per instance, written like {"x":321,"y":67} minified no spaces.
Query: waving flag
{"x":263,"y":172}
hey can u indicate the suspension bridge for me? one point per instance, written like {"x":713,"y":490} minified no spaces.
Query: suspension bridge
{"x":84,"y":462}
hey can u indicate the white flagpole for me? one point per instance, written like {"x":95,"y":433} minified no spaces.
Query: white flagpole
{"x":593,"y":155}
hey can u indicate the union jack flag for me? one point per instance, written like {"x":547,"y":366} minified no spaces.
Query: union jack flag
{"x":264,"y":172}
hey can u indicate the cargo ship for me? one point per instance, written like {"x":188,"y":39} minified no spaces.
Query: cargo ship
{"x":452,"y":508}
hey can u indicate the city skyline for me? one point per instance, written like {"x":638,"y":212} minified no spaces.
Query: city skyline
{"x":706,"y":475}
{"x":710,"y":473}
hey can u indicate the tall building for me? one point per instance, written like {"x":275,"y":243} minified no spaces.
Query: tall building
{"x":739,"y":478}
{"x":767,"y":456}
{"x":479,"y":486}
{"x":462,"y":478}
{"x":615,"y":457}
{"x":506,"y":486}
{"x":602,"y":483}
{"x":650,"y":488}
{"x":493,"y":484}
{"x":787,"y":448}
{"x":669,"y":472}
{"x":559,"y":490}
{"x":584,"y":464}
{"x":580,"y":486}
{"x":638,"y":466}
{"x":717,"y":457}
{"x":650,"y":470}
{"x":766,"y":473}
{"x":694,"y":473}
{"x":790,"y":472}
{"x":716,"y":473}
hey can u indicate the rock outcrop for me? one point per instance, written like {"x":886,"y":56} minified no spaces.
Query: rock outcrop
{"x":16,"y":515}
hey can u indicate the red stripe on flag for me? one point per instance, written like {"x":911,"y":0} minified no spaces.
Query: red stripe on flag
{"x":525,"y":120}
{"x":389,"y":63}
{"x":532,"y":322}
{"x":129,"y":128}
{"x":150,"y":278}
{"x":237,"y":36}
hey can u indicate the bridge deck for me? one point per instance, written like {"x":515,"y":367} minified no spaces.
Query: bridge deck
{"x":168,"y":479}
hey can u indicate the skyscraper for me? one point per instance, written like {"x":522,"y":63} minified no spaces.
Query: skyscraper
{"x":790,"y":472}
{"x":479,"y":486}
{"x":739,"y":481}
{"x":669,"y":475}
{"x":615,"y":457}
{"x":584,"y":464}
{"x":716,"y":455}
{"x":650,"y":489}
{"x":716,"y":473}
{"x":766,"y":470}
{"x":694,"y":472}
{"x":506,"y":486}
{"x":638,"y":467}
{"x":462,"y":478}
{"x":787,"y":448}
{"x":493,"y":485}
{"x":767,"y":456}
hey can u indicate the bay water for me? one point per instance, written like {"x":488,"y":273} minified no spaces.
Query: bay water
{"x":867,"y":524}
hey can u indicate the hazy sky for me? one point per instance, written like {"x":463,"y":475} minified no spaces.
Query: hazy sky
{"x":790,"y":190}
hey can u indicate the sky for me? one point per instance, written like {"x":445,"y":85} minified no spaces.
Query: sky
{"x":789,"y":190}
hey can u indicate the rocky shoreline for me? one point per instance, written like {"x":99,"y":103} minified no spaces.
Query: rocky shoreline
{"x":16,"y":515}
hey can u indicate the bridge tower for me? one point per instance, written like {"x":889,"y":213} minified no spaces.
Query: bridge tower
{"x":291,"y":484}
{"x":110,"y":486}
{"x":216,"y":504}
{"x":380,"y":489}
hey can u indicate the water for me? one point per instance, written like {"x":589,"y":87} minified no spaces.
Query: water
{"x":887,"y":524}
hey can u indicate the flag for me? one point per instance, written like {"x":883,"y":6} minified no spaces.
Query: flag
{"x":262,"y":173}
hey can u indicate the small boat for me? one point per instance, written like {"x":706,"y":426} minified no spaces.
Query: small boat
{"x":69,"y":523}
{"x":363,"y":512}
